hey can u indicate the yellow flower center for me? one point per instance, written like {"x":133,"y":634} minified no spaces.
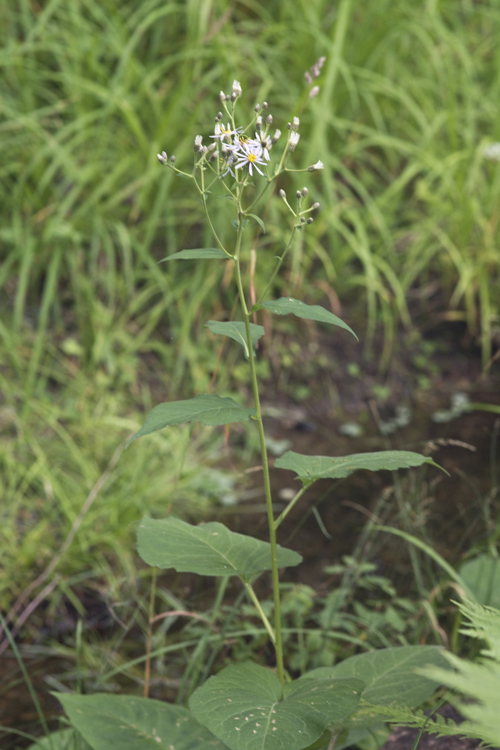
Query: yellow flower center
{"x":252,"y":157}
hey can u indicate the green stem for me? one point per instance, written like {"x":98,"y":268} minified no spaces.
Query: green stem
{"x":278,"y":266}
{"x":289,"y":507}
{"x":205,"y":209}
{"x":261,"y":612}
{"x":147,"y":665}
{"x":265,"y":464}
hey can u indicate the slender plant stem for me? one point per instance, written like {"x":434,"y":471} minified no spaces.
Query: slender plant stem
{"x":205,"y":209}
{"x":278,"y":265}
{"x":147,"y":666}
{"x":289,"y":507}
{"x":262,"y":614}
{"x":265,"y":464}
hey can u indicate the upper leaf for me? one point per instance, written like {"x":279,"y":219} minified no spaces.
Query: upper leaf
{"x":288,"y":305}
{"x":124,"y":722}
{"x":389,"y":674}
{"x":209,"y":550}
{"x":197,"y":254}
{"x":311,"y":468}
{"x":206,"y":407}
{"x":246,"y":706}
{"x":236,"y":330}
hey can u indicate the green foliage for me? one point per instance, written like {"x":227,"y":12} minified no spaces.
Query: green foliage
{"x":246,"y":706}
{"x":211,"y":549}
{"x":479,"y":681}
{"x":236,"y":331}
{"x":131,"y":723}
{"x":289,"y":306}
{"x":207,"y":408}
{"x":311,"y":468}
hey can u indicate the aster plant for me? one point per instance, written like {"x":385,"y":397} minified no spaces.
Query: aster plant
{"x":245,"y":705}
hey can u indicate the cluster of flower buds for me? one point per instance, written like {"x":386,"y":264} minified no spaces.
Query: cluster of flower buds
{"x":300,"y":213}
{"x":313,"y":73}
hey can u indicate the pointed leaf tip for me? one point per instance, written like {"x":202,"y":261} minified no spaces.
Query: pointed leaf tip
{"x":291,"y":306}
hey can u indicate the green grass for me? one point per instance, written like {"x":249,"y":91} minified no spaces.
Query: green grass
{"x":408,"y":102}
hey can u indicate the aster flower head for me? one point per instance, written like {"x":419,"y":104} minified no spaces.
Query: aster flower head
{"x":249,"y":155}
{"x":222,"y":131}
{"x":264,"y":142}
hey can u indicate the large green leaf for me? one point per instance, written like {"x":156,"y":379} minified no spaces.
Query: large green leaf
{"x":206,"y":407}
{"x":123,"y":722}
{"x":482,"y":575}
{"x":389,"y":674}
{"x":209,"y":550}
{"x":197,"y":254}
{"x":246,"y":707}
{"x":236,"y":330}
{"x":311,"y":468}
{"x":288,"y":305}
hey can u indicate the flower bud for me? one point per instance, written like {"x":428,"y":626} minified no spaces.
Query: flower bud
{"x":315,"y":205}
{"x":314,"y":167}
{"x":162,"y":158}
{"x":257,"y":108}
{"x":289,"y":126}
{"x":269,"y":120}
{"x":295,"y":123}
{"x":310,"y":220}
{"x":304,"y":191}
{"x":276,"y":136}
{"x":265,"y":105}
{"x":298,"y":195}
{"x":282,"y":194}
{"x":294,"y":139}
{"x":258,"y":122}
{"x":308,"y":78}
{"x":197,"y":143}
{"x":222,"y":96}
{"x":173,"y":159}
{"x":314,"y":92}
{"x":236,"y":90}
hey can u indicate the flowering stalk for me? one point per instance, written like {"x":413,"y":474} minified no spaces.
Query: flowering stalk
{"x":232,"y":152}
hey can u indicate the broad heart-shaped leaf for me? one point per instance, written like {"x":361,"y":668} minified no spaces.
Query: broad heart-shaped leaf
{"x":482,"y":574}
{"x":311,"y":468}
{"x":209,"y":550}
{"x":246,"y":707}
{"x":198,"y":253}
{"x":123,"y":722}
{"x":206,"y":407}
{"x":236,"y":330}
{"x":389,"y":674}
{"x":288,"y":305}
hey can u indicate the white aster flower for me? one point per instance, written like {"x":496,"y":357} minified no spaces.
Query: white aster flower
{"x":314,"y":167}
{"x":249,"y":155}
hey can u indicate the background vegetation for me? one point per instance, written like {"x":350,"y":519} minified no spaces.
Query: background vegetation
{"x":93,"y":330}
